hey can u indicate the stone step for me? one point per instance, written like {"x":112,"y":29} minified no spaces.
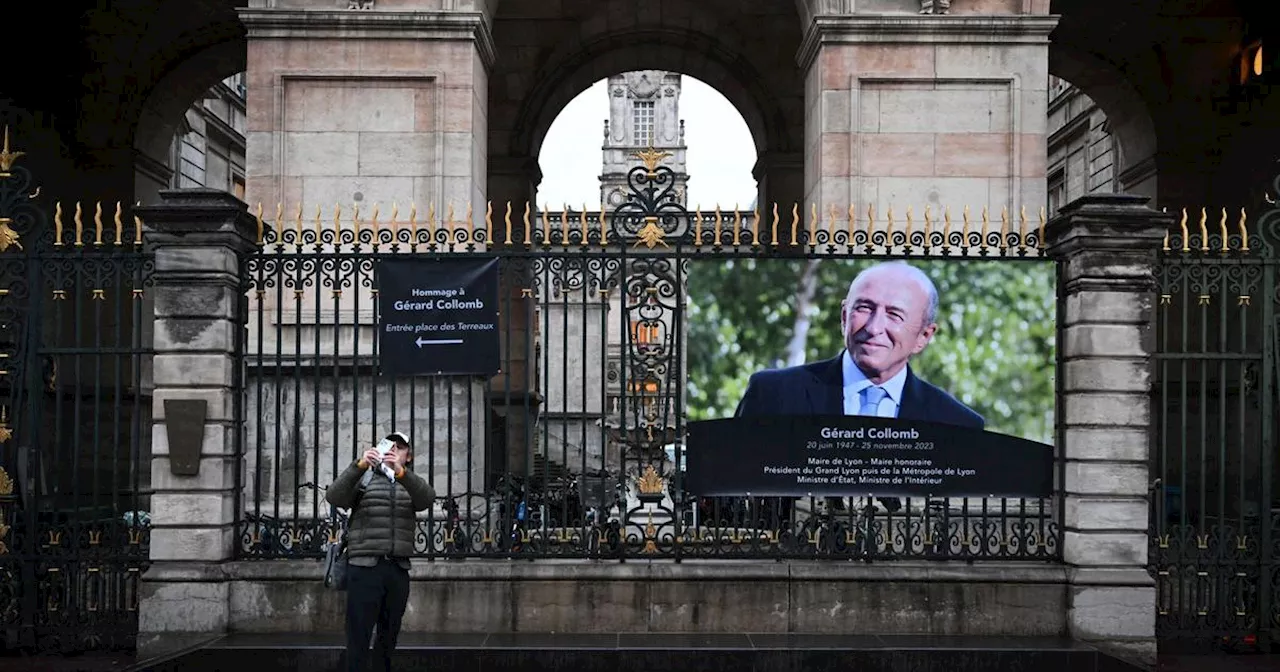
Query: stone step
{"x":647,"y":652}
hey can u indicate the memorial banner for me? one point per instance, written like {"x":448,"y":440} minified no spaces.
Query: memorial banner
{"x":847,"y":455}
{"x":438,"y":316}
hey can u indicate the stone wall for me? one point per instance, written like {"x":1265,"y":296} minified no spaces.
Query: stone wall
{"x":728,"y":596}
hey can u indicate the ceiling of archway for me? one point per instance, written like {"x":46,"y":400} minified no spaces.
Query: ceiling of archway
{"x":743,"y":48}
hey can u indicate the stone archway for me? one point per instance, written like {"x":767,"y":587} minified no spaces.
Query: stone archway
{"x":748,"y":59}
{"x":1130,"y":121}
{"x":163,"y":113}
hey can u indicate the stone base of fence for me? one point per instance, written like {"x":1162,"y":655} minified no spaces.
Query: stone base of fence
{"x":1010,"y":599}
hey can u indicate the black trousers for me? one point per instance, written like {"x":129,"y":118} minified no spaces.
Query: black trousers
{"x":378,"y":596}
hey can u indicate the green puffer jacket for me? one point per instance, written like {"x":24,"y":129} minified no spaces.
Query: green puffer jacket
{"x":383,"y":520}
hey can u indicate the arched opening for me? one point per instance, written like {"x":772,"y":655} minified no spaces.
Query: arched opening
{"x":711,"y":146}
{"x":1100,"y":135}
{"x":191,"y":130}
{"x":713,"y":42}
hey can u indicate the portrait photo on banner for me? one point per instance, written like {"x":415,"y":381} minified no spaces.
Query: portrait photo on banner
{"x":967,"y":343}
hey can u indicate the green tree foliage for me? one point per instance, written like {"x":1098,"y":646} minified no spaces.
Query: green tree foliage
{"x":994,"y":348}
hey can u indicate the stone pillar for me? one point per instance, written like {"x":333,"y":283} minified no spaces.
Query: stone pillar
{"x":362,"y":107}
{"x":779,"y":179}
{"x":513,"y":392}
{"x":915,"y":110}
{"x":200,"y":236}
{"x":1106,"y":246}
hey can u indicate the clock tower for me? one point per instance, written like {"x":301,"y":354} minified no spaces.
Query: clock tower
{"x":644,"y":112}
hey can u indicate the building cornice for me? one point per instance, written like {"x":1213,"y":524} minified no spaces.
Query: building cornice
{"x":371,"y":25}
{"x":926,"y":29}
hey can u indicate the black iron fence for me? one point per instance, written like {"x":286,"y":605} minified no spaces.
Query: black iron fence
{"x":574,"y":449}
{"x":1215,"y":529}
{"x":75,"y":412}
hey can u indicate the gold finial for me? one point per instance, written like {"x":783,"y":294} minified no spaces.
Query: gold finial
{"x":775,"y":224}
{"x":450,"y":222}
{"x":946,"y":224}
{"x":564,"y":223}
{"x":928,"y":223}
{"x":97,"y":224}
{"x":355,"y":224}
{"x":651,"y":158}
{"x":507,"y":222}
{"x":1022,"y":226}
{"x":488,"y":224}
{"x":853,"y":220}
{"x":909,"y":225}
{"x":719,"y":225}
{"x":755,"y":227}
{"x":813,"y":224}
{"x":471,"y":226}
{"x":120,"y":225}
{"x":1186,"y":237}
{"x":1222,"y":226}
{"x":986,"y":225}
{"x":1043,"y":219}
{"x":373,"y":222}
{"x":1244,"y":233}
{"x":316,"y":223}
{"x":650,"y":483}
{"x":79,"y":226}
{"x":1004,"y":225}
{"x":528,"y":226}
{"x":395,"y":225}
{"x":258,"y":218}
{"x":137,"y":231}
{"x":737,"y":225}
{"x":603,"y":226}
{"x":7,"y":156}
{"x":888,"y":227}
{"x":6,"y":483}
{"x":831,"y":224}
{"x":697,"y":224}
{"x":413,"y":225}
{"x":297,"y":223}
{"x":1204,"y":231}
{"x":5,"y":432}
{"x":964,"y":231}
{"x":57,"y":224}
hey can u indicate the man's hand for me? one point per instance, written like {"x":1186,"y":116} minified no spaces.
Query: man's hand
{"x":370,"y":458}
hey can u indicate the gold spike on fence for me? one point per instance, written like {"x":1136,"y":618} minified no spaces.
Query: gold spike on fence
{"x":850,"y":229}
{"x":113,"y":225}
{"x":1195,"y":232}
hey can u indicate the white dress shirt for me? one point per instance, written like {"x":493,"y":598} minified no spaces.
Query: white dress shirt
{"x":855,"y":381}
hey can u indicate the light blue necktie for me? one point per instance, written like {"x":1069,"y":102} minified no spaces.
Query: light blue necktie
{"x":871,"y":398}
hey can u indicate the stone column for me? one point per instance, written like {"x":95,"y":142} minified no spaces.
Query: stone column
{"x":200,"y":237}
{"x":513,"y":391}
{"x":1106,"y":246}
{"x":926,"y":110}
{"x":779,"y":179}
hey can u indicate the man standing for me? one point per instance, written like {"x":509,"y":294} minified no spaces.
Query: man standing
{"x":380,"y":535}
{"x":888,"y":317}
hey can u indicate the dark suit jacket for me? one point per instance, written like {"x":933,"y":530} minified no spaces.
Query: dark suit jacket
{"x":818,"y":389}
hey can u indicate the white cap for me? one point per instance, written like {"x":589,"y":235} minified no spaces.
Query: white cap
{"x":399,"y":436}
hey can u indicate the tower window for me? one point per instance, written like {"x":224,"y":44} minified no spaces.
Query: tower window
{"x":642,"y":122}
